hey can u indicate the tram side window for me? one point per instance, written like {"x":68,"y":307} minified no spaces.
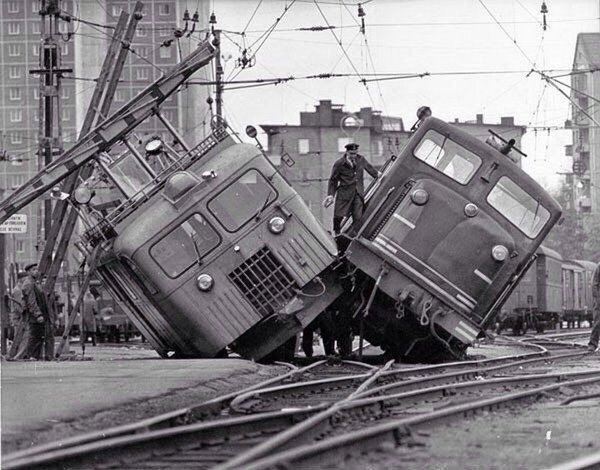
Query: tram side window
{"x":447,"y":156}
{"x":184,"y":246}
{"x":242,"y":200}
{"x":516,"y":205}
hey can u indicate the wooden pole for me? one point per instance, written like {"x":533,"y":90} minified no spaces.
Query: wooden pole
{"x":3,"y":309}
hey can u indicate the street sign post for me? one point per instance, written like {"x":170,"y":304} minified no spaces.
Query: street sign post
{"x":16,"y":223}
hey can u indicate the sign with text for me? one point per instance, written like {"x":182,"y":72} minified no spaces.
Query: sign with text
{"x":16,"y":223}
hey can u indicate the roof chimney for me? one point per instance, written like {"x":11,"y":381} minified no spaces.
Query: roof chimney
{"x":479,"y":118}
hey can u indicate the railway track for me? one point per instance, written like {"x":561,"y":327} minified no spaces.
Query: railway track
{"x":214,"y":432}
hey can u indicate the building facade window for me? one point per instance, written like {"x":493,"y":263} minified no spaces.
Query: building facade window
{"x":66,"y":114}
{"x":14,"y":94}
{"x":14,"y":72}
{"x":64,"y":50}
{"x":14,"y":50}
{"x":303,"y":146}
{"x":116,"y":10}
{"x":19,"y":246}
{"x":36,"y":50}
{"x":13,"y":7}
{"x":378,"y":148}
{"x":16,"y":138}
{"x":35,"y":27}
{"x":165,"y":31}
{"x":36,"y":93}
{"x":141,"y":74}
{"x":14,"y":29}
{"x":142,"y":51}
{"x":15,"y":115}
{"x":65,"y":93}
{"x":164,"y":9}
{"x":141,"y":33}
{"x":16,"y":181}
{"x":119,"y":96}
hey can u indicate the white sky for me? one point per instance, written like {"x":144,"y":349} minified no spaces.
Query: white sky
{"x":412,"y":36}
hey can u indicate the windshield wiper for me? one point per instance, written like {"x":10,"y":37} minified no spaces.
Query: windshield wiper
{"x":197,"y":250}
{"x":537,"y":209}
{"x":263,"y":207}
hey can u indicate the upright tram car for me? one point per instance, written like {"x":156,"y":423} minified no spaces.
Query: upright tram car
{"x":448,"y":231}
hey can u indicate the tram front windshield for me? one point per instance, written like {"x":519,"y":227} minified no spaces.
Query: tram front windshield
{"x":242,"y":200}
{"x":519,"y":207}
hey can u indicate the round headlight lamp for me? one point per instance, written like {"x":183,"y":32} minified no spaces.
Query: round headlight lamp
{"x":499,"y":252}
{"x":419,"y":196}
{"x":205,"y":282}
{"x":277,"y":224}
{"x":471,"y":210}
{"x":83,"y":195}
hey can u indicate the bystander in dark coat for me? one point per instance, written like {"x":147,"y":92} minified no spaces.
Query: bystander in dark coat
{"x":19,"y":344}
{"x":34,"y":304}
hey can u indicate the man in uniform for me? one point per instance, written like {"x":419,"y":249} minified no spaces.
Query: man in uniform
{"x":34,"y":305}
{"x":595,"y":334}
{"x":19,"y":344}
{"x":346,"y":183}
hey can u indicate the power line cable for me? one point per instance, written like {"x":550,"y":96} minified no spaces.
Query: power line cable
{"x":506,"y":32}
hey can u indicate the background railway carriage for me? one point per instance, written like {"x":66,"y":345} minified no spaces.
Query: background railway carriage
{"x":588,"y":272}
{"x":223,"y":253}
{"x":447,"y":232}
{"x":577,"y":291}
{"x":537,"y":300}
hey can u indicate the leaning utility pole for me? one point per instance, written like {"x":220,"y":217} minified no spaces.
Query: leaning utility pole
{"x":50,"y":129}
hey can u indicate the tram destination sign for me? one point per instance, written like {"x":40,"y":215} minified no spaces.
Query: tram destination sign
{"x":16,"y":223}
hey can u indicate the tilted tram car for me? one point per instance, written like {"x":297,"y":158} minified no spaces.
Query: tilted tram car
{"x":447,"y":232}
{"x":224,"y":253}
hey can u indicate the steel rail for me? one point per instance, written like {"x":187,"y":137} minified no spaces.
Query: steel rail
{"x":395,"y":431}
{"x":465,"y":374}
{"x":590,"y":461}
{"x":391,"y":379}
{"x":178,"y":417}
{"x":74,"y":452}
{"x":164,"y":442}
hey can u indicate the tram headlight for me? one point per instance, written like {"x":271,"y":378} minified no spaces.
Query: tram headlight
{"x":277,"y":224}
{"x":471,"y":210}
{"x":419,"y":196}
{"x":205,"y":282}
{"x":499,"y":252}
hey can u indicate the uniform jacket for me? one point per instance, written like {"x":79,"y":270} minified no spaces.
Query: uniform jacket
{"x":34,"y":303}
{"x":347,"y":181}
